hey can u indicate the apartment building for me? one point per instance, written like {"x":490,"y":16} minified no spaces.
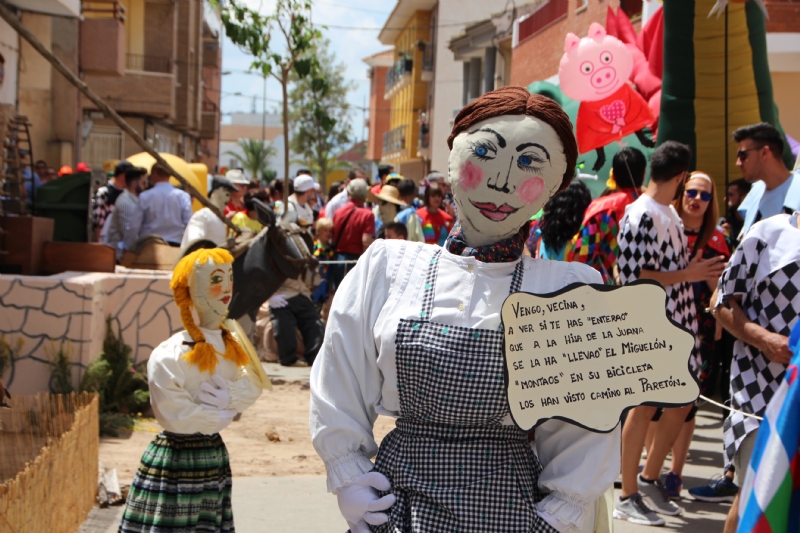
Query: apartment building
{"x":156,"y":62}
{"x":379,"y":110}
{"x":424,"y":85}
{"x":485,"y":50}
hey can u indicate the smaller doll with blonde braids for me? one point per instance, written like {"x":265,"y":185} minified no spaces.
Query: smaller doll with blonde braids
{"x":199,"y":380}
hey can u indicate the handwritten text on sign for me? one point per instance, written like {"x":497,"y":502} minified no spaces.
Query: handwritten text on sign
{"x":587,"y":353}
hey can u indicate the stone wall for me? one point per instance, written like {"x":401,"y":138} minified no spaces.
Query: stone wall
{"x":70,"y":309}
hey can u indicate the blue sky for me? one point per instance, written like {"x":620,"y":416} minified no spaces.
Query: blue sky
{"x":349,"y":45}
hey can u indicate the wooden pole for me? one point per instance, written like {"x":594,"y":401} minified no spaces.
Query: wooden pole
{"x":23,"y":32}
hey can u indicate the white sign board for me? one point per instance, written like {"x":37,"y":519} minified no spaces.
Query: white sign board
{"x":586,"y":353}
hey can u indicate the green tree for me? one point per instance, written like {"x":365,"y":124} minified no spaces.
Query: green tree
{"x":331,"y":163}
{"x":255,"y":156}
{"x":316,"y":136}
{"x":253,"y":32}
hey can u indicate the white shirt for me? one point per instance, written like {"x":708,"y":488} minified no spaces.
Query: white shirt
{"x":175,"y":384}
{"x":335,"y":203}
{"x":204,"y":225}
{"x":297,"y":211}
{"x":354,"y":377}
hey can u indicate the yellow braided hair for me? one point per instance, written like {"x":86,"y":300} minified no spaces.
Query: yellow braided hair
{"x":203,"y":354}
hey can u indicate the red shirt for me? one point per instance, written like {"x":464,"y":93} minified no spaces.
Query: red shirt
{"x":435,"y":226}
{"x":361,"y":222}
{"x":614,"y":202}
{"x":231,"y":209}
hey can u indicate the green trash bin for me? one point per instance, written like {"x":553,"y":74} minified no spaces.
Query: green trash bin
{"x":66,"y":200}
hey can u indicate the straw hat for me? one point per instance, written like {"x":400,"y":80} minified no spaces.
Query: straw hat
{"x":389,"y":193}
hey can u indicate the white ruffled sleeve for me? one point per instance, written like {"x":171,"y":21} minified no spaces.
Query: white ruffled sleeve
{"x":173,"y":405}
{"x":244,"y":391}
{"x":578,"y":465}
{"x":345,"y":379}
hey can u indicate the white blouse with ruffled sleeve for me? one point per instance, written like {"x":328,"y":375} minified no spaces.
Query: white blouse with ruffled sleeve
{"x":175,"y":384}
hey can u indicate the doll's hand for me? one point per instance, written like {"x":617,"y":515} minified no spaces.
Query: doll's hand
{"x":218,"y":395}
{"x":359,"y":501}
{"x":277,"y":301}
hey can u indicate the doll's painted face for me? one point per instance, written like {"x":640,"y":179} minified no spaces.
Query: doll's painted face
{"x":502,"y":171}
{"x":220,"y":197}
{"x":211,"y":289}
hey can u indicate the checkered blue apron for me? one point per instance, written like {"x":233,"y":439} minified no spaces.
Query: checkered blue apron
{"x":453,"y":466}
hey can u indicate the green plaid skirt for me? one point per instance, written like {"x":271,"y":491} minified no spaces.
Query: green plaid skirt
{"x":183,"y":485}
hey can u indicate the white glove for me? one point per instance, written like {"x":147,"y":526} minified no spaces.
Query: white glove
{"x":359,"y":502}
{"x":276,"y":301}
{"x":217,"y":396}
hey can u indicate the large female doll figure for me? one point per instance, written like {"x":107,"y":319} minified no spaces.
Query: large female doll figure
{"x":415,"y":333}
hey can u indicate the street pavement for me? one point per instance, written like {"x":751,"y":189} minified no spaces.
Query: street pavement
{"x":300,"y":504}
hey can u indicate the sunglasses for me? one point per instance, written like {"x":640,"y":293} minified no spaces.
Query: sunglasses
{"x":692,"y":194}
{"x":742,"y":154}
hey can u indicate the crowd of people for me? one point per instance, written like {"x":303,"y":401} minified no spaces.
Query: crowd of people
{"x":729,"y":279}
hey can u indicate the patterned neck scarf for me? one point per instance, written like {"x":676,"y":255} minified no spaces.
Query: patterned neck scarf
{"x":505,"y":251}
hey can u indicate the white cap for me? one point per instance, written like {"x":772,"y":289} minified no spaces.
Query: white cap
{"x":305,"y":183}
{"x":236,"y":177}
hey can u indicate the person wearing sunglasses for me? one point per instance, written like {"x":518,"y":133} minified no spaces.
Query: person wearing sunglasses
{"x":696,"y":204}
{"x":652,"y":246}
{"x":760,"y":158}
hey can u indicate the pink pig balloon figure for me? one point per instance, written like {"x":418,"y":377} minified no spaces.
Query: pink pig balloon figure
{"x":595,"y":71}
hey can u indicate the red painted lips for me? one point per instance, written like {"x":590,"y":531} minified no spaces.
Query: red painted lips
{"x":493,"y":212}
{"x":225,"y":299}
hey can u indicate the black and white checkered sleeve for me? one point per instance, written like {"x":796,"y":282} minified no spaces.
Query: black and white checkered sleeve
{"x":738,"y":277}
{"x":638,"y":248}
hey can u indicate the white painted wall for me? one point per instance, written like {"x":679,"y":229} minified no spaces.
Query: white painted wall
{"x":448,"y":72}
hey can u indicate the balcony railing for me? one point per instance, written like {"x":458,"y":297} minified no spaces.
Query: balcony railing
{"x":394,"y":140}
{"x":402,"y":67}
{"x":148,"y":63}
{"x":542,"y":18}
{"x":104,"y":9}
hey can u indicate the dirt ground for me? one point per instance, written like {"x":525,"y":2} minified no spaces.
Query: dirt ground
{"x":271,"y":438}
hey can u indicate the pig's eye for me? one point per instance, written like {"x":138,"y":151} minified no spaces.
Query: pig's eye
{"x":587,"y":67}
{"x":606,"y":57}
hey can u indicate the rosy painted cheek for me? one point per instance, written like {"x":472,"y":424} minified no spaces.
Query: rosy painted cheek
{"x":530,"y":190}
{"x":471,"y":176}
{"x":215,"y":290}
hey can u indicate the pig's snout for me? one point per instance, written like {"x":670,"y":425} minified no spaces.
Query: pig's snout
{"x":604,"y":77}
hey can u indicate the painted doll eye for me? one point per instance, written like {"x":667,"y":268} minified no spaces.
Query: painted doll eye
{"x":587,"y":67}
{"x":527,"y":162}
{"x":484,"y":151}
{"x":216,"y":279}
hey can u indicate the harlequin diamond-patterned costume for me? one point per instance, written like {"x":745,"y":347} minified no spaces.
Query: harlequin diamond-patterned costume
{"x":651,"y":237}
{"x":414,"y":334}
{"x":764,"y":272}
